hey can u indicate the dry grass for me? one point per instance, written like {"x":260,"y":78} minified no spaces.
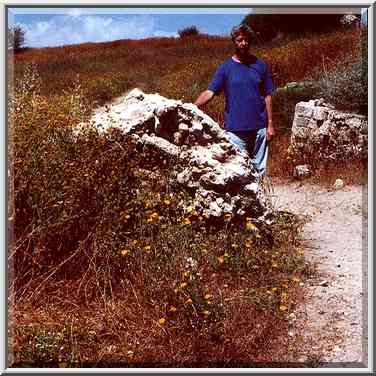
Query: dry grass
{"x":105,"y":268}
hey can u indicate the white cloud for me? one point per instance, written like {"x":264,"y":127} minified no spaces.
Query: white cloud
{"x":75,"y":28}
{"x":161,"y":33}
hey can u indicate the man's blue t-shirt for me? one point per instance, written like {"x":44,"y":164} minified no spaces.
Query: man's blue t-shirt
{"x":245,"y":86}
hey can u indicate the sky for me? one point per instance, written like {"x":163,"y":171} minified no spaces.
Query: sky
{"x":58,"y":27}
{"x":47,"y":27}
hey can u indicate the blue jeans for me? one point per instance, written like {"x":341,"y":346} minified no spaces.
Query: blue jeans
{"x":255,"y":144}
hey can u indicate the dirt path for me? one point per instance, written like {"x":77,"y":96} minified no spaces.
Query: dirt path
{"x":334,"y":317}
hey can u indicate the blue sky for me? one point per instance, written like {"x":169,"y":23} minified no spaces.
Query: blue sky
{"x":47,"y":27}
{"x":54,"y":27}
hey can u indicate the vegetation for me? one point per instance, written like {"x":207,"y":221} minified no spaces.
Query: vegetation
{"x":190,"y":31}
{"x":345,"y":85}
{"x":267,"y":26}
{"x":16,"y":37}
{"x":105,"y":268}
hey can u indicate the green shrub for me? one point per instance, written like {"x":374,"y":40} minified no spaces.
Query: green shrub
{"x":190,"y":31}
{"x":97,"y":224}
{"x":284,"y":102}
{"x":345,"y":86}
{"x":16,"y":37}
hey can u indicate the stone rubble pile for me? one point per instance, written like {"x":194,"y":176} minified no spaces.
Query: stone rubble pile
{"x":216,"y":171}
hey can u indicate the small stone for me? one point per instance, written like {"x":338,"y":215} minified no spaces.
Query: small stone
{"x":183,"y":127}
{"x":178,"y":138}
{"x":338,"y":184}
{"x":196,"y":128}
{"x":302,"y":171}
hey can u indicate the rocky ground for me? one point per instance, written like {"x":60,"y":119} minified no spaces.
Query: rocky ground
{"x":333,"y":319}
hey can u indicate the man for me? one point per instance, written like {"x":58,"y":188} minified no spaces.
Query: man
{"x":247,"y":84}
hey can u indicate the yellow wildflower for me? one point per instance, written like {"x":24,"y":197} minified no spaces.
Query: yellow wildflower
{"x":274,"y":289}
{"x":124,"y":216}
{"x":153,"y":217}
{"x":162,"y":321}
{"x":221,"y":259}
{"x":206,"y":313}
{"x":285,"y":285}
{"x":183,"y":285}
{"x":226,"y":254}
{"x":250,"y":226}
{"x":172,"y":309}
{"x":167,"y":202}
{"x":186,"y":221}
{"x":205,"y":213}
{"x":284,"y":297}
{"x":248,"y":243}
{"x":147,"y":248}
{"x":124,"y":252}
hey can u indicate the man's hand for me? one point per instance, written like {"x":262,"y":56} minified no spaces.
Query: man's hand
{"x":270,"y":131}
{"x":204,"y":98}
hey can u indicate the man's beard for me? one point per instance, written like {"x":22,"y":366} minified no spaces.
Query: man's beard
{"x":242,"y":52}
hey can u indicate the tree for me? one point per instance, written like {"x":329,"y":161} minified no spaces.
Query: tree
{"x":16,"y":37}
{"x":190,"y":31}
{"x":267,"y":26}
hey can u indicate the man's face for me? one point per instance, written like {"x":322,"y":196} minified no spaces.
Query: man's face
{"x":241,"y":43}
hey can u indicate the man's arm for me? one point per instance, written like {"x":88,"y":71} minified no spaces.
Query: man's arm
{"x":270,"y":129}
{"x":204,"y":98}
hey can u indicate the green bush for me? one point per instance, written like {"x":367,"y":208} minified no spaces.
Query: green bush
{"x":190,"y":31}
{"x":345,"y":86}
{"x":284,"y":102}
{"x":16,"y":37}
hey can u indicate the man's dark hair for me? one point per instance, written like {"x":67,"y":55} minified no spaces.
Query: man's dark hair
{"x":242,"y":28}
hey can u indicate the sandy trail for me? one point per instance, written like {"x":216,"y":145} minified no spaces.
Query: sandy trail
{"x":333,"y":319}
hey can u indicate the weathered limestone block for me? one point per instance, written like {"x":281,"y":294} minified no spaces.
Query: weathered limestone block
{"x":320,"y":130}
{"x":218,"y":173}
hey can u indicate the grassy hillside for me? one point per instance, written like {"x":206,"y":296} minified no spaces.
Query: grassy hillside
{"x":176,"y":68}
{"x":105,"y":268}
{"x":182,"y":68}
